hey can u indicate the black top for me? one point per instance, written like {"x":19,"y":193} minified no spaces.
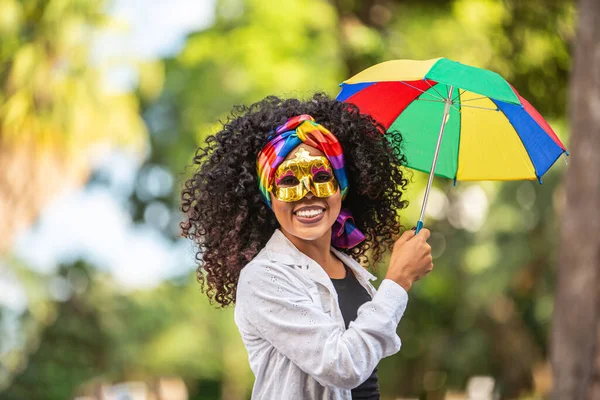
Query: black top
{"x":352,"y":295}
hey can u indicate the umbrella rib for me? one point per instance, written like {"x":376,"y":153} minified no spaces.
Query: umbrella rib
{"x":439,"y":94}
{"x":433,"y":101}
{"x":459,"y":94}
{"x":420,"y":90}
{"x":482,"y":108}
{"x":476,"y":98}
{"x":440,"y":101}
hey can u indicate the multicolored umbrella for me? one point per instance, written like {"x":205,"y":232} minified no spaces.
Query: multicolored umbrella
{"x":457,"y":121}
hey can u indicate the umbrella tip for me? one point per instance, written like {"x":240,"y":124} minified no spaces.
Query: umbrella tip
{"x":539,"y":178}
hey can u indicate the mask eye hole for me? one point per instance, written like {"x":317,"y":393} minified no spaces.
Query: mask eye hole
{"x":322,"y":177}
{"x":289,"y":180}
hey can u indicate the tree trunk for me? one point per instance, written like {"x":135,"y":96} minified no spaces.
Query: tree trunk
{"x":575,"y":344}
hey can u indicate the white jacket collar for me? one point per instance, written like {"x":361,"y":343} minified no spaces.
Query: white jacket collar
{"x":280,"y":249}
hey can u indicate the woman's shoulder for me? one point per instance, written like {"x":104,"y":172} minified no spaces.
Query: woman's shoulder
{"x":268,"y":272}
{"x":264,"y":265}
{"x":278,"y":255}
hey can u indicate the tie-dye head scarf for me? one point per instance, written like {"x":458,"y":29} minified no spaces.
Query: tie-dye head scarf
{"x":304,"y":129}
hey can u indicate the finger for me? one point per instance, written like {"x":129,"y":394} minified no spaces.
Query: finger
{"x":406,"y":236}
{"x":424,"y":234}
{"x":429,"y":264}
{"x":427,"y":248}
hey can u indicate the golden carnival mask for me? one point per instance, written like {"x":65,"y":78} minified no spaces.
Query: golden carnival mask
{"x":304,"y":173}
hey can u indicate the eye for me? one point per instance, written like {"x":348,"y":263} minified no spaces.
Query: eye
{"x":322,"y":177}
{"x":289,"y":181}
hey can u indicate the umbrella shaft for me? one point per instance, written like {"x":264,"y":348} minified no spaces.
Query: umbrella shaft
{"x":448,"y":103}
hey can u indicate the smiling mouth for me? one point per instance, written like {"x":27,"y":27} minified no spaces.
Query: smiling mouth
{"x":309,"y":212}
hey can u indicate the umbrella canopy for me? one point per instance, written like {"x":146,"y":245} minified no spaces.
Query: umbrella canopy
{"x":456,"y":121}
{"x":490,"y":133}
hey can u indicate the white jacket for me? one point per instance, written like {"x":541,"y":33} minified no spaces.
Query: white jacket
{"x":288,"y":314}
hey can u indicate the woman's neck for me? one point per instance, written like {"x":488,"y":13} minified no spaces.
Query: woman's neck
{"x":319,"y":250}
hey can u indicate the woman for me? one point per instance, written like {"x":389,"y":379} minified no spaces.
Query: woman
{"x":289,"y":198}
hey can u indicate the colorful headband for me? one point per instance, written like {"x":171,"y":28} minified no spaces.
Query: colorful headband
{"x":304,"y":129}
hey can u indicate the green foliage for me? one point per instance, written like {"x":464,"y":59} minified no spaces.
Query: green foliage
{"x":50,"y":92}
{"x":255,"y":48}
{"x":486,"y":307}
{"x":71,"y":349}
{"x":525,"y":42}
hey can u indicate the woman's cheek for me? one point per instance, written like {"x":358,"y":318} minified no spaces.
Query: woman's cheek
{"x":282,"y":210}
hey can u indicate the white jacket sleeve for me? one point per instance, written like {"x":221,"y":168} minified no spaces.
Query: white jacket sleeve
{"x":277,"y":305}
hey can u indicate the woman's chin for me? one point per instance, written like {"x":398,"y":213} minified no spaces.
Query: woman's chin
{"x":310,"y":232}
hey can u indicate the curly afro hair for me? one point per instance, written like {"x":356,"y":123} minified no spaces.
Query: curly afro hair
{"x":224,"y":213}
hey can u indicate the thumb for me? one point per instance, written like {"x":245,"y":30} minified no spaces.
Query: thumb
{"x":406,"y":236}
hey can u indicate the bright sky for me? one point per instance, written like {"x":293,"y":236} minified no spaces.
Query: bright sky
{"x":153,"y":28}
{"x":93,"y":222}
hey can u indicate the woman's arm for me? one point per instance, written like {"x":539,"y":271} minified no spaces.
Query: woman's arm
{"x":277,"y":305}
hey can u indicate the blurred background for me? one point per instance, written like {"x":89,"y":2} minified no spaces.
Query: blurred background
{"x":102,"y":105}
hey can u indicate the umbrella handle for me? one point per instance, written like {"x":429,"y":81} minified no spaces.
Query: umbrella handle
{"x":419,"y":227}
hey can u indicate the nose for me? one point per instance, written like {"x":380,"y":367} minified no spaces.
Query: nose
{"x":306,"y":183}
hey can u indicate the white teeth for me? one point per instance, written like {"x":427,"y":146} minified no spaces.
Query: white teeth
{"x":309,"y":214}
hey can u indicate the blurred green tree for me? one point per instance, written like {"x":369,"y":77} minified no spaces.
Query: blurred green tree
{"x":489,"y":302}
{"x":72,"y":349}
{"x":485,"y":309}
{"x":53,"y":106}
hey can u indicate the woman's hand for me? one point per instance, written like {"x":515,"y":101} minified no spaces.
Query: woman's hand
{"x":411,"y":258}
